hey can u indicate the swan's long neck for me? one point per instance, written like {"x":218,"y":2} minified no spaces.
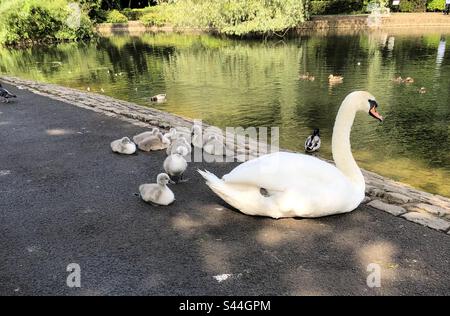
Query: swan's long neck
{"x":342,"y":152}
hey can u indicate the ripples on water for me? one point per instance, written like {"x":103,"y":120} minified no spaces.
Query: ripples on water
{"x":251,"y":83}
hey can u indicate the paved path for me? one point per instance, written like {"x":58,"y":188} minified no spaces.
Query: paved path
{"x":65,"y":198}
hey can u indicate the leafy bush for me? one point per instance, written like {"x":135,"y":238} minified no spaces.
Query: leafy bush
{"x":137,"y":14}
{"x":318,"y":7}
{"x":237,"y":17}
{"x":153,"y":19}
{"x":115,"y":16}
{"x":436,"y":5}
{"x":34,"y":20}
{"x":413,"y":5}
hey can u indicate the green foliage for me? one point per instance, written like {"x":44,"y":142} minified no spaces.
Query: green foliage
{"x":115,"y":16}
{"x":154,"y":16}
{"x":133,"y":14}
{"x":435,"y":5}
{"x":413,"y":5}
{"x":318,"y":7}
{"x":34,"y":20}
{"x":137,"y":14}
{"x":94,"y":9}
{"x":237,"y":17}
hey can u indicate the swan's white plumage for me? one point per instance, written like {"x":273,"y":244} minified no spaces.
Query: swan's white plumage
{"x":289,"y":185}
{"x":123,"y":146}
{"x":296,"y":183}
{"x":175,"y":164}
{"x":158,"y":192}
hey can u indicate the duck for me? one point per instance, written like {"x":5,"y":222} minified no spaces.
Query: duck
{"x":158,"y":98}
{"x":123,"y":146}
{"x":6,"y":95}
{"x":306,"y":77}
{"x":422,"y":90}
{"x":157,"y":193}
{"x":175,"y":164}
{"x":399,"y":79}
{"x":286,"y":184}
{"x":180,"y":141}
{"x":214,"y":146}
{"x":313,"y":142}
{"x":335,"y":79}
{"x":408,"y":80}
{"x":154,"y":142}
{"x":140,"y":137}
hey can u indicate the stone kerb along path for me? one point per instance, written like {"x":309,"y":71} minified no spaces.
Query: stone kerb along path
{"x":382,"y":193}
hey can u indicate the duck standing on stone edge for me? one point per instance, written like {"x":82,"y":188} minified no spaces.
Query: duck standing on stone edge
{"x":6,"y":95}
{"x":313,"y":142}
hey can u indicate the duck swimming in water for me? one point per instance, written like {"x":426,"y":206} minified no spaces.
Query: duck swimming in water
{"x":306,"y":77}
{"x":313,"y":142}
{"x":335,"y":79}
{"x":158,"y":98}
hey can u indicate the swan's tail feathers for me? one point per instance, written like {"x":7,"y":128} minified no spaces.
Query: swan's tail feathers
{"x":218,"y":186}
{"x":209,"y":177}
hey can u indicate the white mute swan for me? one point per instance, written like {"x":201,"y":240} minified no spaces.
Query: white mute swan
{"x":157,"y":193}
{"x":123,"y":146}
{"x":175,"y":164}
{"x":140,"y":137}
{"x":197,"y":137}
{"x":289,"y":185}
{"x":154,"y":142}
{"x":181,"y":141}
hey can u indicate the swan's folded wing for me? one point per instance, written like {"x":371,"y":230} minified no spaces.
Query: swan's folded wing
{"x":282,"y":170}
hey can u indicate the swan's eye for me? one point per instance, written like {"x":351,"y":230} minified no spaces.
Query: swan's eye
{"x":373,"y":104}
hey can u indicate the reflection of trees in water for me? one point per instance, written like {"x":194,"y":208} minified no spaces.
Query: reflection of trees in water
{"x":421,"y":123}
{"x":134,"y":57}
{"x":239,"y":83}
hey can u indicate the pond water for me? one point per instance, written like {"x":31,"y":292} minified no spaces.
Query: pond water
{"x":253,"y":83}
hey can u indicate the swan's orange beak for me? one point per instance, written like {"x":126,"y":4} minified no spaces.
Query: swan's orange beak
{"x":374,"y":113}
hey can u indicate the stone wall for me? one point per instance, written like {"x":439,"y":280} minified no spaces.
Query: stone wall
{"x":317,"y":23}
{"x":383,"y":194}
{"x":393,"y":20}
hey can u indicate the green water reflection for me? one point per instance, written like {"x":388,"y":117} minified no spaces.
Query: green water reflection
{"x":251,"y":83}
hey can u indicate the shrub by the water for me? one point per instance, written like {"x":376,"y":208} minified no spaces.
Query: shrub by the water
{"x":37,"y":21}
{"x":318,"y":7}
{"x":436,"y":5}
{"x":413,"y":5}
{"x":154,"y":16}
{"x":115,"y":16}
{"x":237,"y":17}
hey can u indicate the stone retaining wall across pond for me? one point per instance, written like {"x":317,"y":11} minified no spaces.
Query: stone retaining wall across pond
{"x":434,"y":21}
